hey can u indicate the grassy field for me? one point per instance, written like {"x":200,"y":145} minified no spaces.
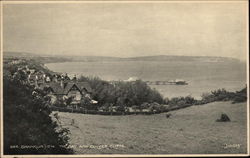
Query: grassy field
{"x":191,"y":130}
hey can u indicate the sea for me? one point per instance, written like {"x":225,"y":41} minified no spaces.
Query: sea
{"x":202,"y":76}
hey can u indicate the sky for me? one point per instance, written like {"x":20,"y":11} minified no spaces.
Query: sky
{"x":127,"y":29}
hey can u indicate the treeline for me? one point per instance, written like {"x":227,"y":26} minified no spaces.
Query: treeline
{"x":28,"y":126}
{"x":122,"y":94}
{"x":213,"y":96}
{"x":224,"y":95}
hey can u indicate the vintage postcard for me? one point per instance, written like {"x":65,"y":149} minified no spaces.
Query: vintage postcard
{"x":124,"y":78}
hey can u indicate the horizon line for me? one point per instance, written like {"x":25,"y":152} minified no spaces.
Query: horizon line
{"x":79,"y":55}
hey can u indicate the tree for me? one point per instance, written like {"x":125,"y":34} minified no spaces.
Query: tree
{"x":27,"y":121}
{"x":122,"y":93}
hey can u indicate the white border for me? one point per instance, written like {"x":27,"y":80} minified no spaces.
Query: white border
{"x":121,"y":1}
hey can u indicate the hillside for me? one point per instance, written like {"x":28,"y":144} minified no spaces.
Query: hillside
{"x":188,"y":131}
{"x":19,"y":54}
{"x":47,"y":58}
{"x":180,"y":58}
{"x":37,"y":57}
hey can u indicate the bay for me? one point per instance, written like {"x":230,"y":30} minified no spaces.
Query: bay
{"x":202,"y":77}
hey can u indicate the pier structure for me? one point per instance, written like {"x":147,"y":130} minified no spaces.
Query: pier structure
{"x":166,"y":82}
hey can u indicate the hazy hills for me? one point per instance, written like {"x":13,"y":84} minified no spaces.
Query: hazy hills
{"x":60,"y":58}
{"x":180,"y":58}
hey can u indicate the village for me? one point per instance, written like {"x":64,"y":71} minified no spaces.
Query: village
{"x":59,"y":87}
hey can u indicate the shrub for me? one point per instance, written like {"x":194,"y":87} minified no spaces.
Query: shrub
{"x":240,"y":96}
{"x":120,"y":109}
{"x":145,"y":105}
{"x":223,"y":118}
{"x":182,"y":101}
{"x":168,"y":115}
{"x":223,"y":95}
{"x":60,"y":103}
{"x":122,"y":93}
{"x":27,"y":121}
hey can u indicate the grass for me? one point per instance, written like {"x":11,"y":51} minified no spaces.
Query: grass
{"x":192,"y":130}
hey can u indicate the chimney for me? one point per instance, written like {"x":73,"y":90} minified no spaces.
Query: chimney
{"x":74,"y":78}
{"x":36,"y":84}
{"x":55,"y":78}
{"x":44,"y":76}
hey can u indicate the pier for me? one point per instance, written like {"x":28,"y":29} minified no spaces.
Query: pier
{"x":166,"y":82}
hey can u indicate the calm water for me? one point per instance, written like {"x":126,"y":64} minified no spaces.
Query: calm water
{"x":201,"y":76}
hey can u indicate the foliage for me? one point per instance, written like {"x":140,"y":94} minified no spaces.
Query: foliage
{"x":240,"y":96}
{"x":122,"y":94}
{"x":60,"y":103}
{"x":223,"y":95}
{"x":27,"y":121}
{"x":86,"y":104}
{"x":223,"y":118}
{"x":182,"y":101}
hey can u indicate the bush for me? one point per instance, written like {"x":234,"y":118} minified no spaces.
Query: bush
{"x":27,"y":121}
{"x":240,"y":96}
{"x":105,"y":107}
{"x":223,"y":118}
{"x":145,"y":105}
{"x":122,"y":93}
{"x":223,"y":95}
{"x":182,"y":101}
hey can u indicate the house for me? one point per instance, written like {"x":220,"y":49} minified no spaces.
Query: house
{"x":60,"y":87}
{"x":16,"y":61}
{"x":32,"y":71}
{"x":69,"y":89}
{"x":32,"y":79}
{"x":47,"y":79}
{"x":37,"y":79}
